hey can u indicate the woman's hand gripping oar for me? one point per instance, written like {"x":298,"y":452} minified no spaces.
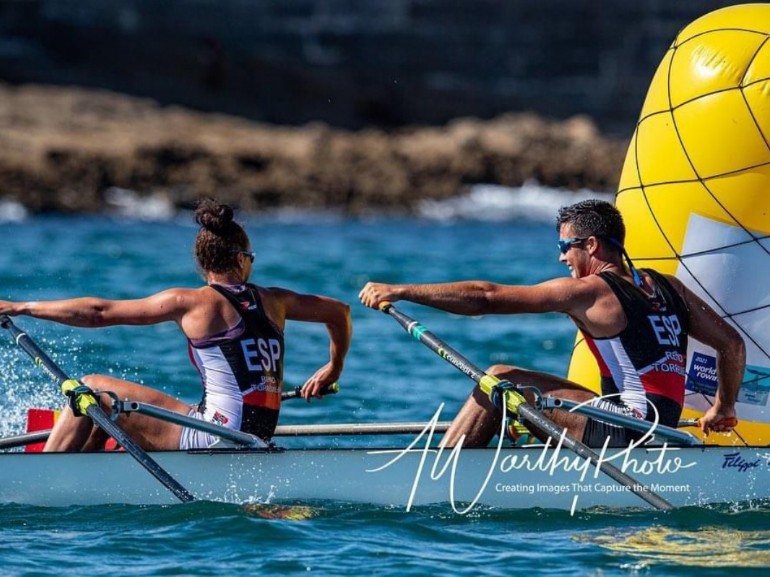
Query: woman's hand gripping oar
{"x":83,"y":401}
{"x":518,"y":405}
{"x":296,"y":392}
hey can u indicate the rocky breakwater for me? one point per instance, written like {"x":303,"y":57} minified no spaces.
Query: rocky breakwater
{"x":64,"y":149}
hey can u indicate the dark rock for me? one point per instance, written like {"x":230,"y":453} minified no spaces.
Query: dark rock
{"x":63,"y":148}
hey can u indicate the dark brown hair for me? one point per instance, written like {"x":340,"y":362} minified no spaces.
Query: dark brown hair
{"x":594,"y":217}
{"x":219,"y":239}
{"x":603,"y":220}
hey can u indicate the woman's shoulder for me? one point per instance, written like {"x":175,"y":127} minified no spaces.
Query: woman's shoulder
{"x":192,"y":297}
{"x":181,"y":293}
{"x":274,"y":292}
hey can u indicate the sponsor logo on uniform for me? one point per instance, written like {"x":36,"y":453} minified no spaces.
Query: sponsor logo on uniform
{"x":219,"y":419}
{"x":673,"y":362}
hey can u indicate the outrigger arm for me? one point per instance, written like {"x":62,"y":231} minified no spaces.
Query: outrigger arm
{"x":668,"y":433}
{"x":245,"y":440}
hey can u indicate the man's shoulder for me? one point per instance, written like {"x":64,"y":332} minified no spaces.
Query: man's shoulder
{"x":595,"y":282}
{"x":583,"y":290}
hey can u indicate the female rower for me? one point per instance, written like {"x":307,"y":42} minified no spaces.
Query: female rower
{"x":235,"y":338}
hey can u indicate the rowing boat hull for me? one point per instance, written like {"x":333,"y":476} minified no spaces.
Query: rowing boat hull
{"x":511,"y":478}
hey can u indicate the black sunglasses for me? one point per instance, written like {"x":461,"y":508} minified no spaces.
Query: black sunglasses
{"x":566,"y":243}
{"x":250,"y":254}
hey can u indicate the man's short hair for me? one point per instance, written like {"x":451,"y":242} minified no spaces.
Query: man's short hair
{"x":593,"y":217}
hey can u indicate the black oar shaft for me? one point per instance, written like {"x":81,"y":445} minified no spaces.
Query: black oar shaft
{"x":30,"y":347}
{"x":24,"y":439}
{"x":95,"y":412}
{"x":444,"y":350}
{"x":524,"y":411}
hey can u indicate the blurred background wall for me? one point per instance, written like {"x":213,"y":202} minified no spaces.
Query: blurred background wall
{"x":353,"y":63}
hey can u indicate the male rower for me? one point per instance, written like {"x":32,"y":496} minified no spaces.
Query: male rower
{"x":636,"y":324}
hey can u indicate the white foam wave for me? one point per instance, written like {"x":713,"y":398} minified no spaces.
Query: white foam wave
{"x":11,"y":211}
{"x":501,"y":203}
{"x":128,"y":203}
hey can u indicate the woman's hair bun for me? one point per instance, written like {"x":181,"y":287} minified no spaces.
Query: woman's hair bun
{"x":213,"y":216}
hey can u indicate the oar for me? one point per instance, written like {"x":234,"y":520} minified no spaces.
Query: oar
{"x":362,"y":429}
{"x":518,"y":405}
{"x":24,"y":439}
{"x":323,"y":430}
{"x":85,"y":401}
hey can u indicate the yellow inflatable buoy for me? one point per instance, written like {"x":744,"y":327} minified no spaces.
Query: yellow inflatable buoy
{"x":695,"y":195}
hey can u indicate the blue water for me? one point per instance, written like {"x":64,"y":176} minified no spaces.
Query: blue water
{"x":388,"y":377}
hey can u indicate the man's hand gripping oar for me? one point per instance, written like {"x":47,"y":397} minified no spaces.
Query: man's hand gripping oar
{"x":83,"y":401}
{"x":518,"y":405}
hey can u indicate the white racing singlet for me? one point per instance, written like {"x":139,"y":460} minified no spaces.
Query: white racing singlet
{"x":241,"y":371}
{"x":645,"y":362}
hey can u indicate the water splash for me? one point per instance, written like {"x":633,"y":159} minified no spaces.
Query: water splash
{"x":25,"y":386}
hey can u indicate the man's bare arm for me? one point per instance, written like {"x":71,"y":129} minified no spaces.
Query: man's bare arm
{"x":712,"y":330}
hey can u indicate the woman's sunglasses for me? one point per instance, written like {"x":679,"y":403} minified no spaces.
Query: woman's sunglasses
{"x":251,"y":255}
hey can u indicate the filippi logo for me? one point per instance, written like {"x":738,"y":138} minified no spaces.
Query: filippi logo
{"x":735,"y":461}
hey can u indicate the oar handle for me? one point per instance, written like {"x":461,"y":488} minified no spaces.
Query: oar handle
{"x":731,"y":422}
{"x":296,"y":392}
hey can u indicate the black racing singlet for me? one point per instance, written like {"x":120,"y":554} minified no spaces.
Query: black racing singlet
{"x":646,"y":360}
{"x":242,"y":374}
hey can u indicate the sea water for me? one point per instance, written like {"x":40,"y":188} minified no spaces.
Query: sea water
{"x":388,"y":377}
